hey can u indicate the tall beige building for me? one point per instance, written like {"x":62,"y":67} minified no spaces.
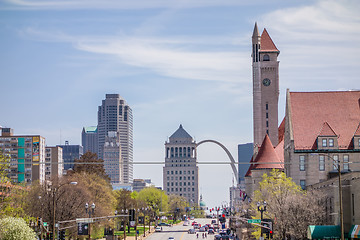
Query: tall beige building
{"x":181,"y":173}
{"x":54,"y":164}
{"x":265,"y":67}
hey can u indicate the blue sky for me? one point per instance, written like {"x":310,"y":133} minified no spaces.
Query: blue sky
{"x":175,"y":62}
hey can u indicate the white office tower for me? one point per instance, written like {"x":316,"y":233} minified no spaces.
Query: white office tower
{"x":114,"y":115}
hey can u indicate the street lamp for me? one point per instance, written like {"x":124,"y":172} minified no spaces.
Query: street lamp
{"x":261,"y":207}
{"x":90,"y":212}
{"x":336,"y":164}
{"x":54,"y":204}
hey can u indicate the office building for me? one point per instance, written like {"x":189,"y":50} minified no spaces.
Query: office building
{"x":54,"y":166}
{"x":181,"y":173}
{"x":89,"y":139}
{"x":245,"y":152}
{"x":70,"y":153}
{"x":115,"y":115}
{"x":112,"y":157}
{"x":140,"y":184}
{"x":27,"y":156}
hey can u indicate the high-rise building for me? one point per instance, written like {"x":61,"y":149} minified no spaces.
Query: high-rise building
{"x":245,"y":152}
{"x":112,"y":157}
{"x":181,"y":173}
{"x":70,"y":153}
{"x":89,"y":139}
{"x":27,"y":156}
{"x":265,"y":68}
{"x":115,"y":115}
{"x":54,"y":166}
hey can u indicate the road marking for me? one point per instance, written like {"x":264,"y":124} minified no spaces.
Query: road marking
{"x":182,"y":235}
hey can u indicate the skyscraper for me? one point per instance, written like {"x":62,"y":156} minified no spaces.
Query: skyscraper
{"x":89,"y":139}
{"x":265,"y":67}
{"x":115,"y":115}
{"x":70,"y":153}
{"x":112,"y":157}
{"x":181,"y":173}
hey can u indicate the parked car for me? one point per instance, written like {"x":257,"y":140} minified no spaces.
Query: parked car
{"x":171,"y":238}
{"x":158,"y":229}
{"x":186,"y":223}
{"x":163,"y":224}
{"x":202,"y":229}
{"x":211,"y":231}
{"x":191,"y":231}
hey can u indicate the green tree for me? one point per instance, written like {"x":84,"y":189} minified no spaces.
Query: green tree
{"x":288,"y":205}
{"x":154,"y":198}
{"x":177,"y":205}
{"x":12,"y":228}
{"x":4,"y":167}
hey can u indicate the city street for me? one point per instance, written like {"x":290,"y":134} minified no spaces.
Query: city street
{"x":179,"y":232}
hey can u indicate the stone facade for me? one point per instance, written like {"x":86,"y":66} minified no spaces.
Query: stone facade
{"x":181,"y":173}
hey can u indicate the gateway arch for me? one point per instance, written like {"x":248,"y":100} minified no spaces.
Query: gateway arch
{"x":232,"y":164}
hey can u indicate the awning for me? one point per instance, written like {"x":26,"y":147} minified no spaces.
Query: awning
{"x":354,"y":231}
{"x":324,"y":232}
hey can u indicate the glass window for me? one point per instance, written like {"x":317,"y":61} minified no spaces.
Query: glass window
{"x":303,"y":184}
{"x":331,"y":142}
{"x":335,"y":162}
{"x":359,"y":142}
{"x":322,"y":163}
{"x":324,"y":142}
{"x":302,"y":163}
{"x":346,"y":162}
{"x":266,"y":57}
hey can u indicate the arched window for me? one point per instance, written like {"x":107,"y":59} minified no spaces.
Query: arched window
{"x":266,"y":57}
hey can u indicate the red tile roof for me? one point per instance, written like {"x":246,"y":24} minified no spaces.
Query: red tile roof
{"x":326,"y":130}
{"x":357,"y":132}
{"x":309,"y":111}
{"x":266,"y":43}
{"x":281,"y":130}
{"x":267,"y":156}
{"x":248,"y":173}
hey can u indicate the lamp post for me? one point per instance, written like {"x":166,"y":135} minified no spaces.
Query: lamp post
{"x":261,"y":207}
{"x":336,"y":163}
{"x":90,"y":212}
{"x":124,"y":211}
{"x":54,"y":204}
{"x":144,"y":211}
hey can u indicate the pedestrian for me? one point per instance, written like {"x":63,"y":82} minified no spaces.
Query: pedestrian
{"x":197,"y":235}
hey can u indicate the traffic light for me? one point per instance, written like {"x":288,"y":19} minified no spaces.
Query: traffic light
{"x":38,"y":221}
{"x":62,"y":235}
{"x":271,"y":234}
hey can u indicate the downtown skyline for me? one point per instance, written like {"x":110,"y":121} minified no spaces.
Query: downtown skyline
{"x":174,"y":63}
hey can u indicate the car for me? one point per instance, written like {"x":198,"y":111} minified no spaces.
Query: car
{"x":171,"y":238}
{"x":158,"y":229}
{"x":202,"y":229}
{"x":191,"y":231}
{"x":186,"y":223}
{"x":211,"y":231}
{"x":213,"y":221}
{"x":163,"y":224}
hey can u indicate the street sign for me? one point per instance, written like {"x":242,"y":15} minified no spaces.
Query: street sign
{"x":84,"y":220}
{"x":83,"y":229}
{"x":254,"y":221}
{"x":45,"y":224}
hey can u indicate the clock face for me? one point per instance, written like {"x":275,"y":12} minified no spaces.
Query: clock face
{"x":266,"y":82}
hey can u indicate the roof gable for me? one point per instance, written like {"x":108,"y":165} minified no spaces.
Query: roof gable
{"x":310,"y":110}
{"x":266,"y":43}
{"x":357,"y":132}
{"x":326,"y":130}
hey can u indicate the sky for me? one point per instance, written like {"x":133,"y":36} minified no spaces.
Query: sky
{"x":174,"y":62}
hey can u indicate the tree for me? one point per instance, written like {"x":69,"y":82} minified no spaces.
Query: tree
{"x":177,"y":205}
{"x":12,"y":228}
{"x":287,"y":205}
{"x":90,"y":163}
{"x":4,"y":167}
{"x":154,"y":198}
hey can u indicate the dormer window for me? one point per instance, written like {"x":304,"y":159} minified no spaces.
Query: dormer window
{"x":324,"y":142}
{"x":331,"y":142}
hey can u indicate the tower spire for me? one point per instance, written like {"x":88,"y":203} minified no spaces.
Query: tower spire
{"x":256,"y":38}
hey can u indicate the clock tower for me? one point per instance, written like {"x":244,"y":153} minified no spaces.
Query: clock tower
{"x":265,"y":68}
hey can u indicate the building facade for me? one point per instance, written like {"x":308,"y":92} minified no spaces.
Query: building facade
{"x":70,"y":153}
{"x":112,"y":157}
{"x":245,"y":152}
{"x":26,"y":154}
{"x":54,"y":165}
{"x":181,"y":173}
{"x":139,"y":184}
{"x":321,"y":130}
{"x":265,"y":69}
{"x":115,"y":115}
{"x":89,"y":139}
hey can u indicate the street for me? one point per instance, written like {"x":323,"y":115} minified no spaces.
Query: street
{"x":180,"y":232}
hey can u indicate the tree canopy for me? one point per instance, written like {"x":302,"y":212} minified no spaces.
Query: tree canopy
{"x":90,"y":163}
{"x":154,"y":198}
{"x":291,"y":208}
{"x":12,"y":228}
